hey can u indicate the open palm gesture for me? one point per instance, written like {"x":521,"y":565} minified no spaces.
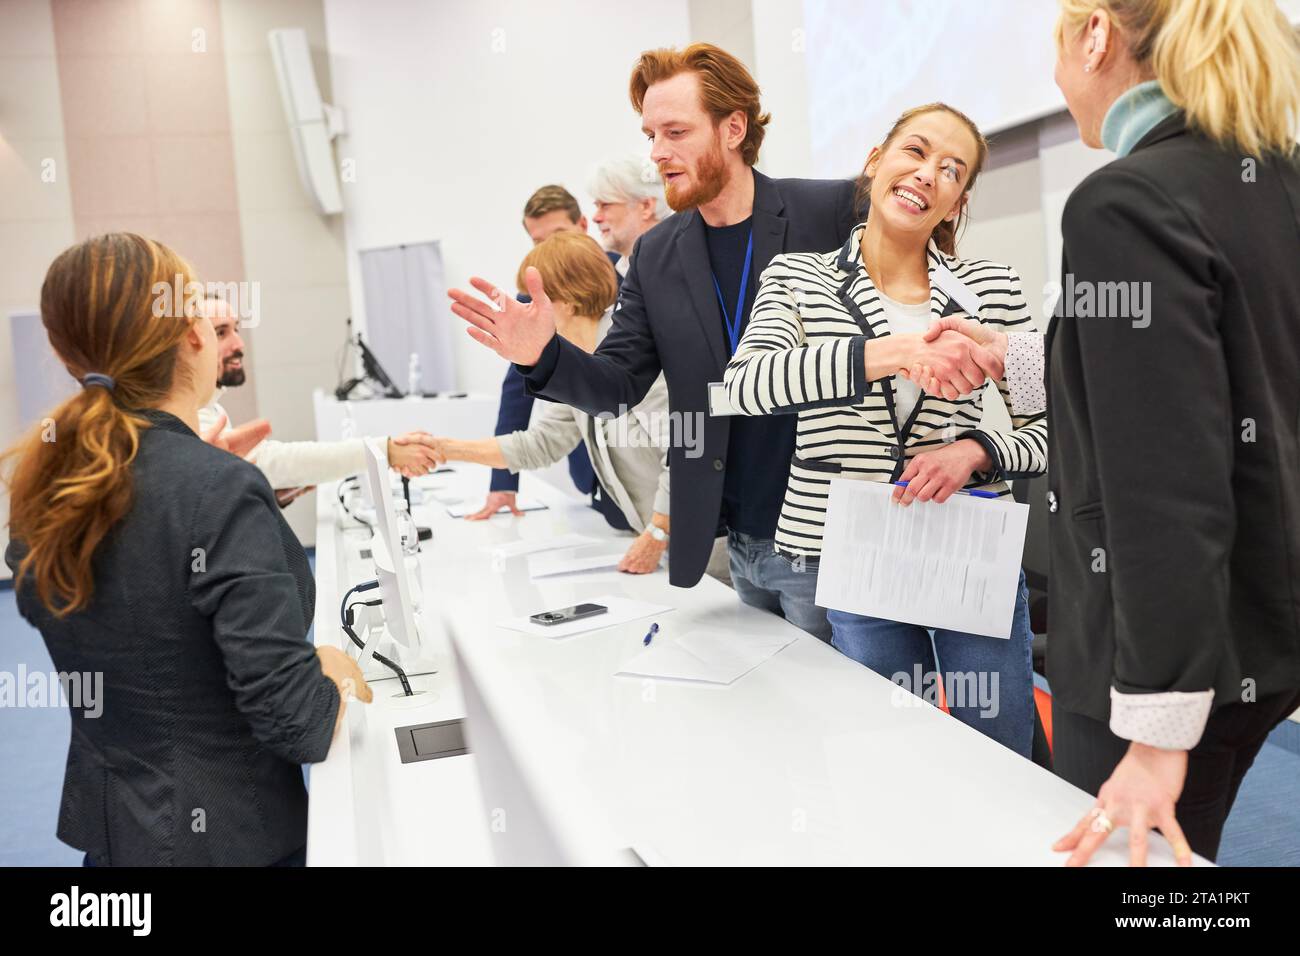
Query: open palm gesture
{"x":514,"y":330}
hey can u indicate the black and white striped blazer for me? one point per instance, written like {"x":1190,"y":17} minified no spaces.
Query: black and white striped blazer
{"x":803,"y":351}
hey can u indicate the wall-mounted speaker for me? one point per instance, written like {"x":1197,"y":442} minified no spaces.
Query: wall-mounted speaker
{"x":313,"y":124}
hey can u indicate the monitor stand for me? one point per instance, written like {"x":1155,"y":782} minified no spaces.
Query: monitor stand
{"x":419,"y":665}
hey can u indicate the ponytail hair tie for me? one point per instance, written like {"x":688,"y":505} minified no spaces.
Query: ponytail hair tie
{"x":96,"y":378}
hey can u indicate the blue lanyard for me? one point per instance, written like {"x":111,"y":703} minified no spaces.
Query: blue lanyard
{"x":733,"y":326}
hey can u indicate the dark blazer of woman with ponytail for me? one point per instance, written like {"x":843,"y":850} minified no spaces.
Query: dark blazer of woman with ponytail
{"x":162,"y":566}
{"x":1174,"y":415}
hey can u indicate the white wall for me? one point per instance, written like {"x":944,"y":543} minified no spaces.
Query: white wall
{"x":725,"y":23}
{"x":294,"y":254}
{"x":457,"y":110}
{"x":867,"y":63}
{"x":781,"y":64}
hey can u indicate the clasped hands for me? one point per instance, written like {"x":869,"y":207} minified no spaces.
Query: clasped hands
{"x":954,"y":357}
{"x":416,"y":453}
{"x":410,"y":455}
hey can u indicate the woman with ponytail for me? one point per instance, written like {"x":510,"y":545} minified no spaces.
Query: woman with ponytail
{"x":162,"y":566}
{"x":1174,"y":635}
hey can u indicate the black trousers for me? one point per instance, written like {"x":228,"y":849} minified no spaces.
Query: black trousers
{"x":1085,"y":753}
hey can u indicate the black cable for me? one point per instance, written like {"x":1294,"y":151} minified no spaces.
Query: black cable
{"x":391,"y":665}
{"x":345,"y":619}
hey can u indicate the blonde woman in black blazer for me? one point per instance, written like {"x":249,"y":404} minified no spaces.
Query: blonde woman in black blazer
{"x":1177,"y":431}
{"x":1174,"y":506}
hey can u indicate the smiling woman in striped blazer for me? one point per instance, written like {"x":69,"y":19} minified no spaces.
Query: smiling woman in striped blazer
{"x":804,"y":351}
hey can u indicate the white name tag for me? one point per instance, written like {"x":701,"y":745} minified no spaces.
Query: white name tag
{"x":719,"y":404}
{"x":957,"y":290}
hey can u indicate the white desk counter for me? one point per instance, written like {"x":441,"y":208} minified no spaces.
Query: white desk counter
{"x":809,"y":759}
{"x":366,"y":807}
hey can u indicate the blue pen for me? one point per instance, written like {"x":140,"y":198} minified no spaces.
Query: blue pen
{"x":649,"y":635}
{"x":973,"y":492}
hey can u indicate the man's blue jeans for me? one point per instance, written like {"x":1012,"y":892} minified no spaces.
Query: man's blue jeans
{"x":988,"y":681}
{"x":770,"y":581}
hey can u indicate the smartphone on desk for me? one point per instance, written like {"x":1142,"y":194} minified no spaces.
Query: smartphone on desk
{"x":566,"y":614}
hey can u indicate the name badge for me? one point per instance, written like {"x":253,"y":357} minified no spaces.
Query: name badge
{"x":957,"y":290}
{"x":719,"y":404}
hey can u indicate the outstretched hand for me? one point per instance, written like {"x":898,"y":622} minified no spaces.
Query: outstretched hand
{"x":238,"y":441}
{"x":515,"y":330}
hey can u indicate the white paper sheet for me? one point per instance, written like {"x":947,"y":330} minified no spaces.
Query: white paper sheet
{"x":460,"y":508}
{"x":705,"y":655}
{"x":621,"y":610}
{"x":551,"y":563}
{"x":513,"y":549}
{"x":954,"y":566}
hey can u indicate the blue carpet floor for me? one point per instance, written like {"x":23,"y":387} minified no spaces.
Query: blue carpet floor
{"x":1263,"y":830}
{"x":33,"y":748}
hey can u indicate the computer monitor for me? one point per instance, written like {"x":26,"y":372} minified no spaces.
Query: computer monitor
{"x":390,"y":560}
{"x":375,"y":370}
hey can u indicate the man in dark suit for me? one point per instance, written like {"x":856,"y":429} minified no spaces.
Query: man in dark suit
{"x":682,"y":307}
{"x":669,"y":319}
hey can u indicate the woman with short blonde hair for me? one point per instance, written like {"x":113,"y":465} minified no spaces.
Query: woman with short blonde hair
{"x":575,"y":272}
{"x":628,"y":447}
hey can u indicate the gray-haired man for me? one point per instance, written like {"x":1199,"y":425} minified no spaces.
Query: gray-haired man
{"x":630,"y":200}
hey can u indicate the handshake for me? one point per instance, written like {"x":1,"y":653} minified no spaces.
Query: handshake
{"x":416,"y":453}
{"x":952,"y":358}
